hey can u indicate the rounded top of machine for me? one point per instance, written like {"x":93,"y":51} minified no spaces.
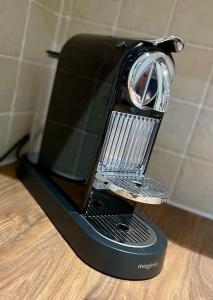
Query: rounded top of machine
{"x":149,"y":80}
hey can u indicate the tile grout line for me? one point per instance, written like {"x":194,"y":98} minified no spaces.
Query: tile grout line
{"x":181,"y":155}
{"x":168,"y":151}
{"x":58,"y":25}
{"x":21,"y":112}
{"x":45,"y":7}
{"x":189,"y":103}
{"x":114,"y":27}
{"x":190,"y":209}
{"x":49,"y":91}
{"x":18,"y":74}
{"x":27,"y":112}
{"x":89,"y":22}
{"x":9,"y":57}
{"x":200,"y":106}
{"x":66,"y":29}
{"x":172,"y":12}
{"x":186,"y":102}
{"x":200,"y":160}
{"x":37,"y":63}
{"x":206,"y":107}
{"x":203,"y":47}
{"x":54,"y":47}
{"x":51,"y":66}
{"x":181,"y":101}
{"x":68,"y":18}
{"x":145,"y":34}
{"x":27,"y":60}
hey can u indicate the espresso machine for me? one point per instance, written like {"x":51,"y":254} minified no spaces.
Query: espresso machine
{"x":108,"y":100}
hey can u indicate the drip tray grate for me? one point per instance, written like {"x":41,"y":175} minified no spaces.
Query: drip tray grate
{"x":137,"y":188}
{"x":127,"y":229}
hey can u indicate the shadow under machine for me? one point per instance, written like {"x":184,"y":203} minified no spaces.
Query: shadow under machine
{"x":86,"y":166}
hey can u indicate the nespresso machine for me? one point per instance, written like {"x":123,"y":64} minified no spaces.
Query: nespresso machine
{"x":88,"y":172}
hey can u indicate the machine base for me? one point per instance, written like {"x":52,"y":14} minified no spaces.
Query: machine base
{"x":133,"y":254}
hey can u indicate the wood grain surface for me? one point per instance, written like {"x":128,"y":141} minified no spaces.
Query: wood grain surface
{"x":36,"y":263}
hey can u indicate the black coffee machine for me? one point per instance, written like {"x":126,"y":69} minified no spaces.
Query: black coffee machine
{"x":108,"y":99}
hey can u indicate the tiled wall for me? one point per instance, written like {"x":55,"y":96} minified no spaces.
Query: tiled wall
{"x":28,"y":29}
{"x":183,"y":156}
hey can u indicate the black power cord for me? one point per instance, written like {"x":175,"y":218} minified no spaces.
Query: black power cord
{"x":18,"y":145}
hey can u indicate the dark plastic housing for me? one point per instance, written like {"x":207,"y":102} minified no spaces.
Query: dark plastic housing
{"x":90,"y":82}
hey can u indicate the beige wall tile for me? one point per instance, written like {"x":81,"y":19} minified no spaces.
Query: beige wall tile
{"x":67,"y":7}
{"x":45,"y":89}
{"x":41,"y":109}
{"x":62,"y":34}
{"x":193,"y":21}
{"x":4,"y":121}
{"x":163,"y":166}
{"x":209,"y":96}
{"x":8,"y":72}
{"x":12,"y":21}
{"x":193,"y":67}
{"x":96,"y":10}
{"x":149,"y":16}
{"x":29,"y":84}
{"x":133,"y":35}
{"x":76,"y":27}
{"x":21,"y":125}
{"x":33,"y":86}
{"x":40,"y":33}
{"x":52,"y":4}
{"x":201,"y":145}
{"x":194,"y":187}
{"x":176,"y":126}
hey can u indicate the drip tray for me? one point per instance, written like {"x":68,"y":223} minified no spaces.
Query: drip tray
{"x":134,"y":187}
{"x":127,"y":229}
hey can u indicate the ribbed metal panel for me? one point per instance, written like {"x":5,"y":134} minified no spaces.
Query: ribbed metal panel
{"x":126,"y":142}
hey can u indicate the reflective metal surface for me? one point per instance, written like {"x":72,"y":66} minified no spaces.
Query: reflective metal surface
{"x":126,"y":142}
{"x":136,"y":188}
{"x":128,"y":229}
{"x":176,"y":42}
{"x":149,"y":81}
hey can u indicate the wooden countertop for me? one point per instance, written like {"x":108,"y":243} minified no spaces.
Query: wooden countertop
{"x":36,"y":263}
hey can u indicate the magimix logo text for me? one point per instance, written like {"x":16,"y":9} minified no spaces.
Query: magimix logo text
{"x":148,"y":266}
